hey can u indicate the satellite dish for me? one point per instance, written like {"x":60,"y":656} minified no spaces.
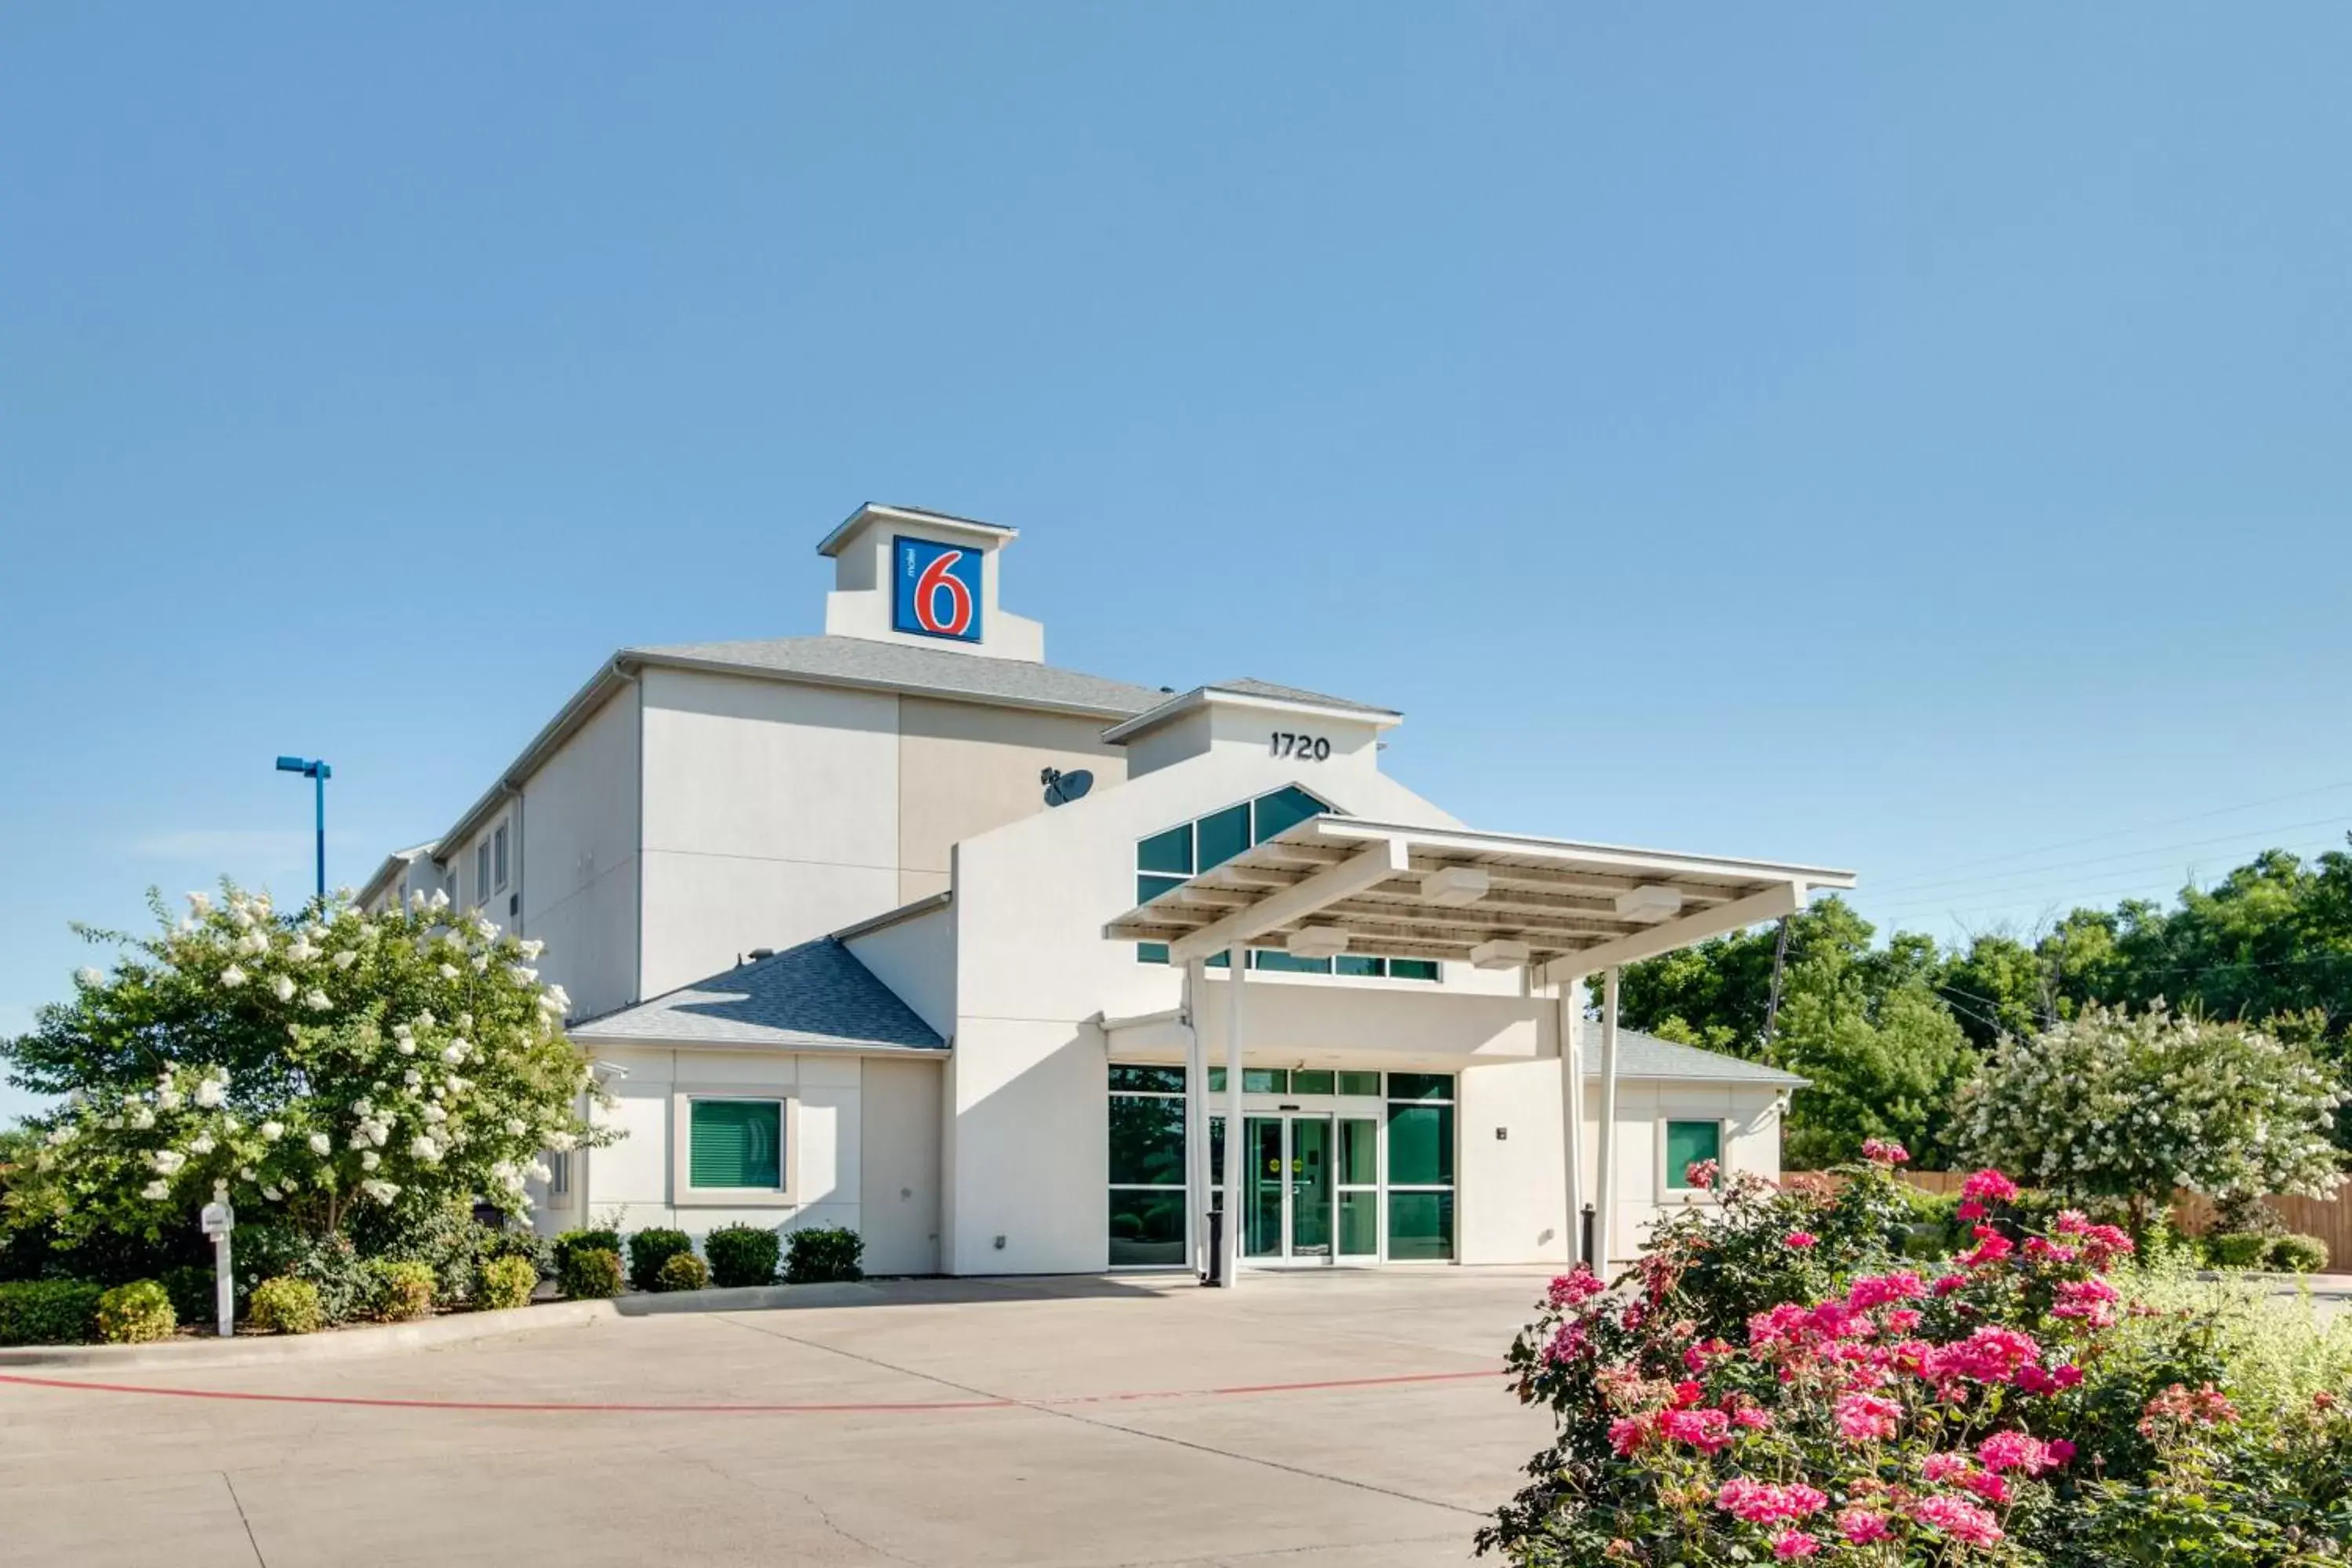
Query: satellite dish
{"x":1061,"y":788}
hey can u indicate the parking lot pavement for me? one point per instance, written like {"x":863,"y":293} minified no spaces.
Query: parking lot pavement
{"x":1303,"y":1419}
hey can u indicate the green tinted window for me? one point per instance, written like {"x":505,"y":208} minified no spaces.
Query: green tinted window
{"x":1284,"y":808}
{"x":1275,"y":961}
{"x":1151,"y":952}
{"x":1146,"y":1081}
{"x":1168,"y":851}
{"x":1356,"y":963}
{"x":1148,"y":887}
{"x":1359,"y":1224}
{"x":735,"y":1144}
{"x":1360,"y":1152}
{"x":1412,"y":969}
{"x":1420,"y":1227}
{"x":1420,"y":1086}
{"x":1265,"y":1080}
{"x":1421,"y":1145}
{"x":1147,"y":1228}
{"x":1217,"y":1085}
{"x":1307,"y":1082}
{"x":1147,"y":1139}
{"x":1359,"y":1083}
{"x":1688,"y":1142}
{"x":1224,"y":835}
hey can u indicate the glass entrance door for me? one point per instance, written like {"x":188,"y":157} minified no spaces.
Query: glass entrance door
{"x":1289,"y":1184}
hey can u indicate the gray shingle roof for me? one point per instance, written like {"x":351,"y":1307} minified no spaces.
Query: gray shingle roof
{"x":813,"y":996}
{"x":1646,"y":1056}
{"x":1249,"y":686}
{"x":899,"y":667}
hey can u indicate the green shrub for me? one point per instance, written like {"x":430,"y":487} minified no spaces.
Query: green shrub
{"x":192,"y":1288}
{"x":571,"y":1241}
{"x":330,"y":1264}
{"x":589,"y":1273}
{"x":2298,"y":1254}
{"x":742,"y":1255}
{"x":2238,"y":1249}
{"x":287,"y":1305}
{"x":649,"y":1249}
{"x":134,"y":1313}
{"x":50,"y":1311}
{"x":505,"y":1282}
{"x":517,"y":1242}
{"x":682,"y":1271}
{"x":824,"y":1253}
{"x":399,"y":1289}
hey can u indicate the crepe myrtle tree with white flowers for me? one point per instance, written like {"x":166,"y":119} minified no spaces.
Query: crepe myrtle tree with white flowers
{"x":301,"y":1063}
{"x":2118,"y":1104}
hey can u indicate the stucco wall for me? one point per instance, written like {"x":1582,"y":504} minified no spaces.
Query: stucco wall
{"x":577,"y":863}
{"x":916,"y":958}
{"x":965,"y":768}
{"x":900,"y":1190}
{"x":770,"y":817}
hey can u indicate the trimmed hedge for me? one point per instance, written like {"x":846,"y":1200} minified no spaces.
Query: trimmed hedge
{"x":589,"y":1273}
{"x":649,"y":1249}
{"x":571,"y":1241}
{"x":2298,"y":1254}
{"x":134,"y":1313}
{"x":824,"y":1253}
{"x":505,"y":1282}
{"x":399,"y":1291}
{"x":682,"y":1271}
{"x":287,"y":1306}
{"x":2238,"y":1249}
{"x":50,"y":1311}
{"x":742,"y":1255}
{"x":192,"y":1291}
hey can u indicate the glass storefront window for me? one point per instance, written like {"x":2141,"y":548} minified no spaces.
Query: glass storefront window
{"x":1221,"y":835}
{"x":1420,"y":1086}
{"x":1359,"y":1083}
{"x":1305,"y":1080}
{"x":1147,"y":1228}
{"x":1360,"y":1152}
{"x":1147,"y":1140}
{"x":1127,"y":1079}
{"x":1421,"y":1145}
{"x":1420,"y":1227}
{"x":1146,"y":1201}
{"x":1359,"y":1224}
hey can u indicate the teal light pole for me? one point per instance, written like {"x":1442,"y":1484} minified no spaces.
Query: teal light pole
{"x":318,"y":773}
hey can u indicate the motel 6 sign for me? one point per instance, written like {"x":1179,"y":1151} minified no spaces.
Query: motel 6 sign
{"x":938,"y":589}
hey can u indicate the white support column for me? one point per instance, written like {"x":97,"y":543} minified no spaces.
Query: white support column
{"x":1605,"y":1187}
{"x":1230,"y":1266}
{"x":1568,"y":1017}
{"x":1196,"y":1121}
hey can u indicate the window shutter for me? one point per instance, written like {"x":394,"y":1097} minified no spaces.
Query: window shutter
{"x":736,"y":1143}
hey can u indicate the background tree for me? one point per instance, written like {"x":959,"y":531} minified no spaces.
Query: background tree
{"x":302,"y":1063}
{"x":2132,"y":1105}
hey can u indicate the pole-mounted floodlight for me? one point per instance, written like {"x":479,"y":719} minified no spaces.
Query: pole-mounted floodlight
{"x":319,"y":773}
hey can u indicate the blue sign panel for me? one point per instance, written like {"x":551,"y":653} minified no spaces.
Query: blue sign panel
{"x":938,"y":589}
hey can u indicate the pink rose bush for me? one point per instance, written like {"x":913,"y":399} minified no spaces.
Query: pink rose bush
{"x":1746,"y":1396}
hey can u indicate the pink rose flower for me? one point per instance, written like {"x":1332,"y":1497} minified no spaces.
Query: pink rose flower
{"x":1791,"y":1545}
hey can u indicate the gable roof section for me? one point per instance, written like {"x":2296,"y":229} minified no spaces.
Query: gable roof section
{"x":815,"y":996}
{"x":1641,"y":1056}
{"x":897,"y":667}
{"x":1250,"y":687}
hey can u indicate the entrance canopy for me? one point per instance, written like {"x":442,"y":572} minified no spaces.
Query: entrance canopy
{"x":1558,"y":909}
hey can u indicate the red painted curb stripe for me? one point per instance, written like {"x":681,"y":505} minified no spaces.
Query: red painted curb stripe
{"x":590,"y":1407}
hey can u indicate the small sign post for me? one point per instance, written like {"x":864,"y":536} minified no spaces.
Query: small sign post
{"x":219,"y":1220}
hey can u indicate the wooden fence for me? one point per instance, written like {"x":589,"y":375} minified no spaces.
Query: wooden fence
{"x":2329,"y":1219}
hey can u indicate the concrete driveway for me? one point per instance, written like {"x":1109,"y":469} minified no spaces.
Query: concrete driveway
{"x":1330,"y":1418}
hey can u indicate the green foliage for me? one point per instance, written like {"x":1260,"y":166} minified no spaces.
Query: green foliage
{"x":397,"y":1290}
{"x":742,"y":1255}
{"x":505,"y":1282}
{"x":299,"y":1063}
{"x":823,"y":1253}
{"x":134,"y":1313}
{"x":649,"y":1249}
{"x":514,"y":1241}
{"x":329,"y":1264}
{"x":2134,"y":1105}
{"x":194,"y":1290}
{"x":48,"y":1312}
{"x":286,"y":1305}
{"x":2238,"y":1249}
{"x":2298,"y":1254}
{"x":590,"y":1240}
{"x":589,"y":1273}
{"x":682,"y":1271}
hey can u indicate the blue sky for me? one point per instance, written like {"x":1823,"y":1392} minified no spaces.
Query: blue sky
{"x":1899,"y":438}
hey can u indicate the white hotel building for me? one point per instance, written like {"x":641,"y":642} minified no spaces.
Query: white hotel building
{"x":903,"y":928}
